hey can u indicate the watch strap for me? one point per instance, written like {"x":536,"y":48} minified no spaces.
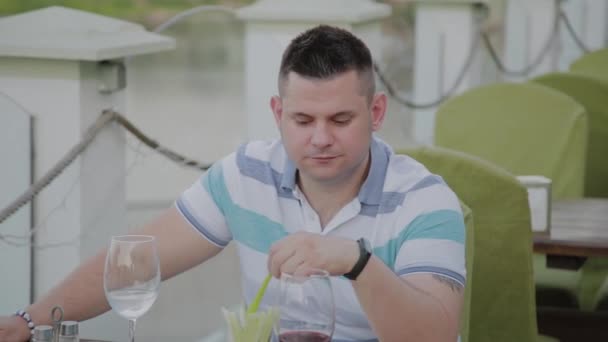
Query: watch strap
{"x":364,"y":255}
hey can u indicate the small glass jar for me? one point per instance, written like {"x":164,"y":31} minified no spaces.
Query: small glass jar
{"x":68,"y":331}
{"x":43,"y":333}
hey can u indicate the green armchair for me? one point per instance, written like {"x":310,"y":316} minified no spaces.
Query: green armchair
{"x":592,"y":93}
{"x":593,"y":64}
{"x":502,"y":298}
{"x":528,"y":129}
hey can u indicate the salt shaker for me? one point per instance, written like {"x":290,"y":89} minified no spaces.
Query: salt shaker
{"x":43,"y":333}
{"x":68,"y":332}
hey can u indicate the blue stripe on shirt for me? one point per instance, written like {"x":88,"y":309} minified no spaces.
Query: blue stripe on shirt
{"x":432,"y":269}
{"x":439,"y":224}
{"x":261,"y":171}
{"x":247,"y":227}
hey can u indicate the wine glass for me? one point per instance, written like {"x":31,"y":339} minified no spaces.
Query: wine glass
{"x":306,"y":307}
{"x":131,"y":278}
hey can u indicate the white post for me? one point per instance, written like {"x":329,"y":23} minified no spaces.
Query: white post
{"x":446,"y":33}
{"x":50,"y":64}
{"x":530,"y":27}
{"x":270,"y":26}
{"x":589,"y":19}
{"x":15,"y":156}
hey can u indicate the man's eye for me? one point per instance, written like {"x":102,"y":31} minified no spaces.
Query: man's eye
{"x":303,"y":121}
{"x":341,"y":121}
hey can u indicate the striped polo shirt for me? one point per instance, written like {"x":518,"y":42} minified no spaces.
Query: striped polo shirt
{"x":410,"y":216}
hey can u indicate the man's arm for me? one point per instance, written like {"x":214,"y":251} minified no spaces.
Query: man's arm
{"x":81,"y":294}
{"x":417,"y":307}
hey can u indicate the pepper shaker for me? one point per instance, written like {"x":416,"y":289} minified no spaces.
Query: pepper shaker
{"x":43,"y":333}
{"x":68,"y":332}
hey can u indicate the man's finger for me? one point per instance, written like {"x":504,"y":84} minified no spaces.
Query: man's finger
{"x":291,"y":264}
{"x":277,"y":259}
{"x":304,"y":270}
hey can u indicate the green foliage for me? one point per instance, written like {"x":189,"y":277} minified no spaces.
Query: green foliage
{"x":146,"y":12}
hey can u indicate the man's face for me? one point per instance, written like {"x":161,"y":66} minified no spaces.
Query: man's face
{"x":326,"y":125}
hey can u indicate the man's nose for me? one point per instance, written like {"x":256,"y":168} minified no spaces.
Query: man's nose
{"x":321,"y":136}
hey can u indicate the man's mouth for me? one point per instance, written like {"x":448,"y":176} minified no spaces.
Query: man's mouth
{"x":323,"y":157}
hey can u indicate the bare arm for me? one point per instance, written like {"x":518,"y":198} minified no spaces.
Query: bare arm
{"x":81,"y":294}
{"x":417,"y":307}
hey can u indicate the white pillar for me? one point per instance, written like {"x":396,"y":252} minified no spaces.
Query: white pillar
{"x":50,"y":65}
{"x":15,"y":156}
{"x":269,"y":27}
{"x":529,"y":26}
{"x":445,"y":34}
{"x":589,"y":19}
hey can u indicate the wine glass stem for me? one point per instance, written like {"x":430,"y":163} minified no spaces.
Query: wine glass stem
{"x":132,"y":330}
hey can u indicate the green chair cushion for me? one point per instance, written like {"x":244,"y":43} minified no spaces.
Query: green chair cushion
{"x":527,"y":129}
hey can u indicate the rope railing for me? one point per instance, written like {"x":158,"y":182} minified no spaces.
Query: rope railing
{"x":392,"y":91}
{"x":482,"y":35}
{"x":88,"y":227}
{"x":442,"y":97}
{"x":106,"y":117}
{"x":536,"y":61}
{"x":568,"y":25}
{"x":172,"y":155}
{"x":193,"y":11}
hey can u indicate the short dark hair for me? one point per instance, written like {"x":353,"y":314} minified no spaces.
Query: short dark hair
{"x":325,"y":51}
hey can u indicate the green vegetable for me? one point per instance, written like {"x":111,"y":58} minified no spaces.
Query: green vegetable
{"x":251,"y":325}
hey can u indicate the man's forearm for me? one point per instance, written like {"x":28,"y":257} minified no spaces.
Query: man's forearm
{"x":81,"y":294}
{"x":401,"y":311}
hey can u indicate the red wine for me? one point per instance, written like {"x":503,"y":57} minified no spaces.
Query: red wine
{"x":303,"y":336}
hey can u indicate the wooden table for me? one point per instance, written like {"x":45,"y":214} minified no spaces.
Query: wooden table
{"x":579,"y":229}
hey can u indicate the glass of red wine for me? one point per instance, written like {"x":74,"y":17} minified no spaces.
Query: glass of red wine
{"x":306,"y":307}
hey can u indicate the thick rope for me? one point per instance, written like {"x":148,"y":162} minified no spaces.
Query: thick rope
{"x":578,"y":41}
{"x":54,"y":172}
{"x":104,"y":119}
{"x":535,"y":62}
{"x":448,"y":94}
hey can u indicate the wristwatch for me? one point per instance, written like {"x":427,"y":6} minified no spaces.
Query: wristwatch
{"x":365,"y":252}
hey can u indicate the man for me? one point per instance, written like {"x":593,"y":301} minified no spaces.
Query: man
{"x":318,"y":198}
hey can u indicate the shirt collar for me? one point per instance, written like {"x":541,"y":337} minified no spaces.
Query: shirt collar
{"x":371,"y":190}
{"x":288,"y":180}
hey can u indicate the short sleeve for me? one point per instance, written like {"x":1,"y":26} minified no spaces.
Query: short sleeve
{"x":434,"y":241}
{"x":201,"y":205}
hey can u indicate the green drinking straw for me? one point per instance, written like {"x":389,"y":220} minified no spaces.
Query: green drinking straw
{"x":258,"y":297}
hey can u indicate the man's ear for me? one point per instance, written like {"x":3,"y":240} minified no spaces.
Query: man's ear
{"x":378,"y":110}
{"x":277,"y":109}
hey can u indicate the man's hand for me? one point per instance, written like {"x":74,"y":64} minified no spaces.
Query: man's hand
{"x":301,"y":252}
{"x":13,"y":329}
